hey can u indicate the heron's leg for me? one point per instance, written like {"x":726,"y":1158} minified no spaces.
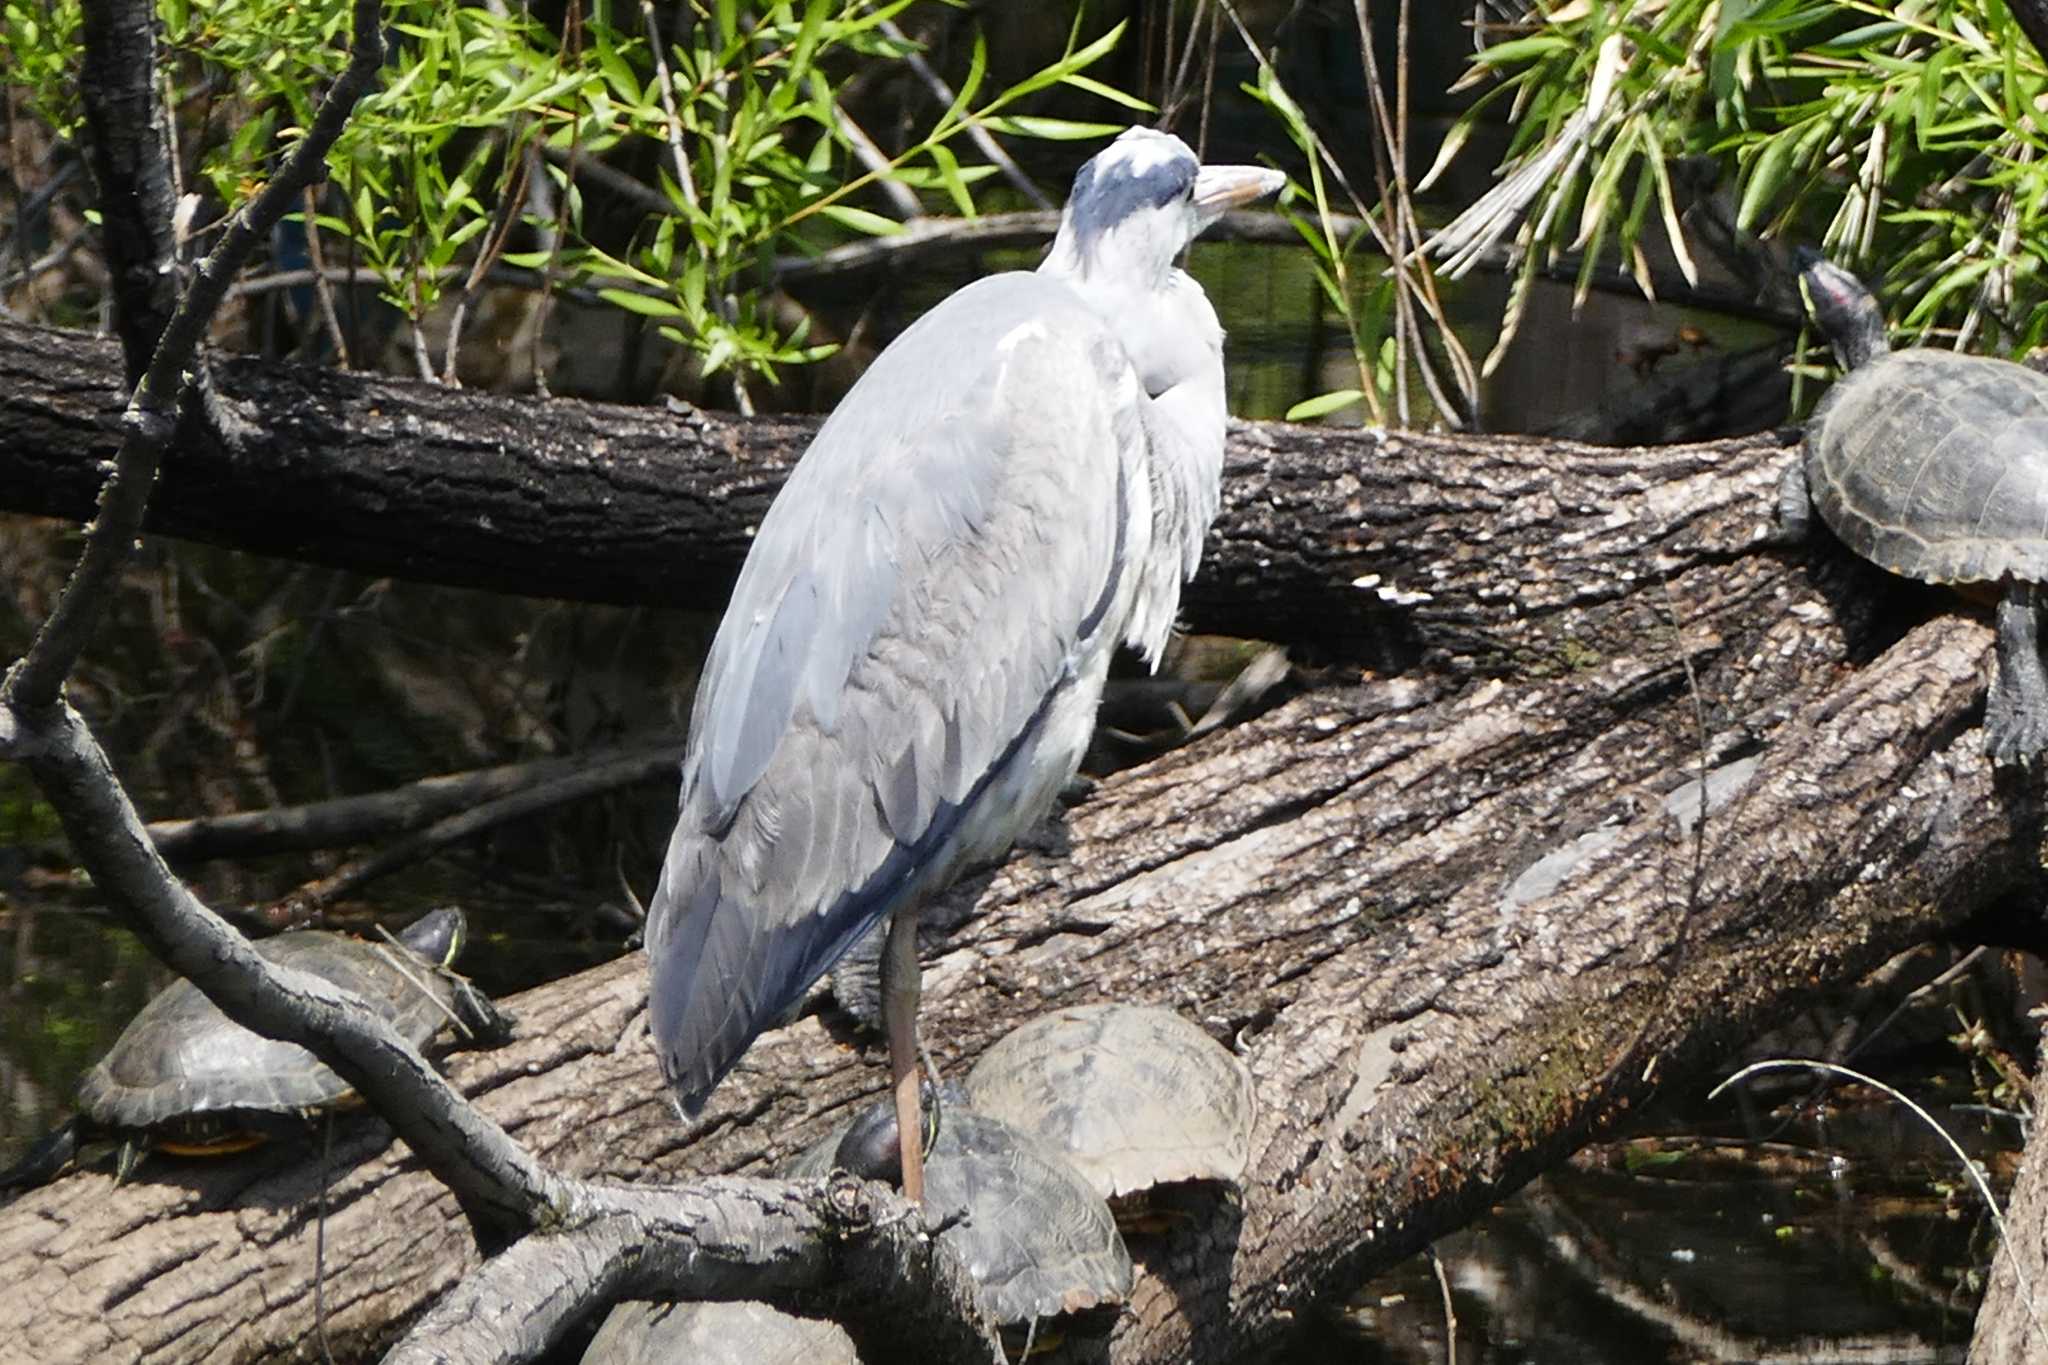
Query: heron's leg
{"x":900,"y":985}
{"x":2016,"y":715}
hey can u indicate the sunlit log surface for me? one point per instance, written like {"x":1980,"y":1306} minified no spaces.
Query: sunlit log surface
{"x":1342,"y":886}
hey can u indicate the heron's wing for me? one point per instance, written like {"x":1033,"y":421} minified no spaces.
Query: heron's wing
{"x":916,"y":594}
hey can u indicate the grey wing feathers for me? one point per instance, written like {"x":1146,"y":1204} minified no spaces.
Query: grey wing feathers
{"x":912,"y":600}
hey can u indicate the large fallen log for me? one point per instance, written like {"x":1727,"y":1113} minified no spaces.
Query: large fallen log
{"x":1457,"y":923}
{"x":1371,"y":545}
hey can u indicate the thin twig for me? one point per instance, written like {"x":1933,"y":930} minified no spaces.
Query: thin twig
{"x":396,"y":810}
{"x":1209,"y":69}
{"x":1443,"y":1284}
{"x":871,"y":156}
{"x":48,"y":261}
{"x":569,"y":784}
{"x":1953,"y":973}
{"x":1403,"y":226}
{"x":323,"y":288}
{"x":1176,"y":92}
{"x":572,"y":54}
{"x":1388,"y":170}
{"x":1321,"y":152}
{"x":494,"y":246}
{"x":913,"y":57}
{"x":673,"y":125}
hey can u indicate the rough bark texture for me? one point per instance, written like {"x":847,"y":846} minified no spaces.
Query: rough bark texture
{"x":2012,"y":1323}
{"x":1328,"y":885}
{"x":126,"y":142}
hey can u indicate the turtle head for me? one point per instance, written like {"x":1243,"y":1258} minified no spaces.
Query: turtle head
{"x":869,"y":1148}
{"x":1842,"y":307}
{"x":438,"y":936}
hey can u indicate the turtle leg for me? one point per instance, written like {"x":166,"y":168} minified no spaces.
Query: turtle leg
{"x":900,"y":987}
{"x":478,"y":1015}
{"x":2016,"y":715}
{"x":1795,"y":502}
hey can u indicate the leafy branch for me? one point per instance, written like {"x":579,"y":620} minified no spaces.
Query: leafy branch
{"x":1905,"y":134}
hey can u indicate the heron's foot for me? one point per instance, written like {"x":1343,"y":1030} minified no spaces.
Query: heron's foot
{"x":1077,"y":789}
{"x":2016,"y":713}
{"x":2018,"y":746}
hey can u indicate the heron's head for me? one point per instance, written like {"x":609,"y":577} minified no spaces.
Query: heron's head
{"x":1138,"y":202}
{"x":1844,"y":310}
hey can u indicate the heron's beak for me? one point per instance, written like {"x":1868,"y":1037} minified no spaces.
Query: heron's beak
{"x":1220,"y":188}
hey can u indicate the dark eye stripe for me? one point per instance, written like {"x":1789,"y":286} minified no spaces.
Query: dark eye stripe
{"x":1105,"y":195}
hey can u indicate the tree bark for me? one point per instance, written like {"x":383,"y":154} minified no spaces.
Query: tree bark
{"x":1455,"y":917}
{"x":1374,"y":545}
{"x":126,"y":145}
{"x":2012,"y":1323}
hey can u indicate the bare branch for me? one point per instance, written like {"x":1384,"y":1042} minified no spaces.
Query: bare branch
{"x":379,"y":815}
{"x":913,"y":57}
{"x":582,"y":778}
{"x":855,"y":1247}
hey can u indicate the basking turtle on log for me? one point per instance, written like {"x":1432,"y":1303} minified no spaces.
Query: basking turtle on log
{"x":185,"y":1079}
{"x":1033,"y":1232}
{"x":1934,"y":465}
{"x":1151,"y":1109}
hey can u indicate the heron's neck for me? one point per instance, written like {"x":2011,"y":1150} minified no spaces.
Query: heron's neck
{"x":1155,"y":309}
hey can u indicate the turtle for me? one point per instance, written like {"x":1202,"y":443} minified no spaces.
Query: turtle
{"x":1934,"y":466}
{"x":1137,"y":1097}
{"x":1038,"y":1239}
{"x":185,"y":1079}
{"x":737,"y":1333}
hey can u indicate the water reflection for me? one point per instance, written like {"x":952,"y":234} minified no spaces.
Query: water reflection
{"x":1846,"y":1239}
{"x":70,"y":980}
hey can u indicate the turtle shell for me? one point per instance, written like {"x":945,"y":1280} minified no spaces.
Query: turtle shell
{"x":181,"y":1059}
{"x":1133,"y":1095}
{"x":1934,"y":465}
{"x":1036,"y":1236}
{"x":740,"y":1333}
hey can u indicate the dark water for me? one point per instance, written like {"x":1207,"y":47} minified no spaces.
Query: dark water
{"x":1858,"y":1248}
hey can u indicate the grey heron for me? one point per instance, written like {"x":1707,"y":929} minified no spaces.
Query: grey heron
{"x":909,"y":668}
